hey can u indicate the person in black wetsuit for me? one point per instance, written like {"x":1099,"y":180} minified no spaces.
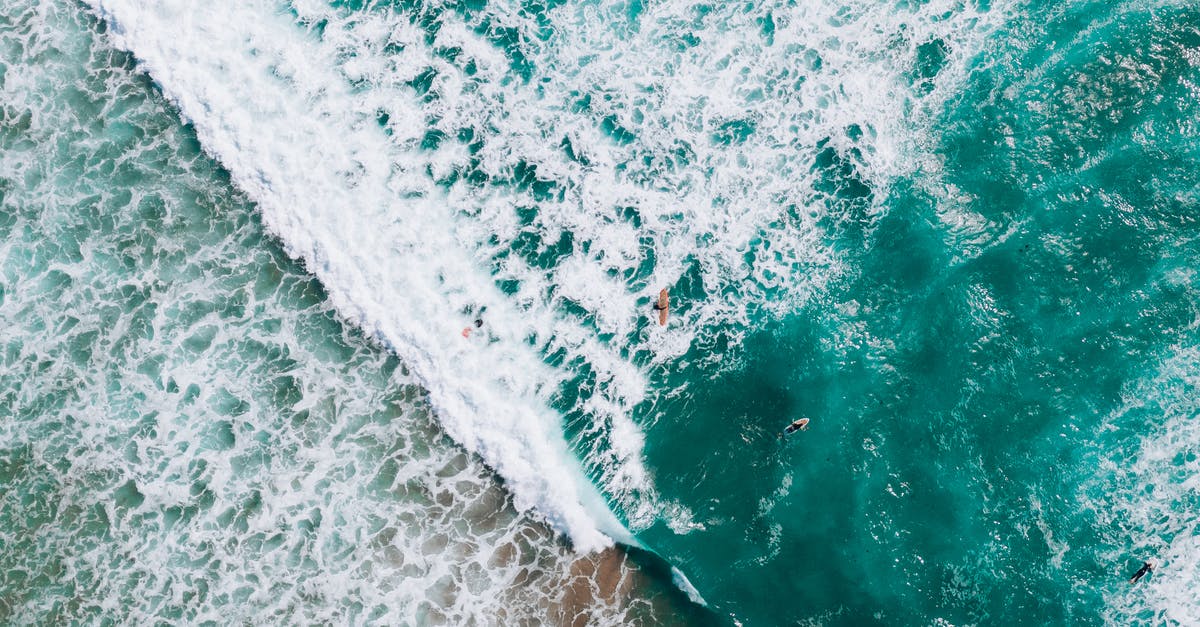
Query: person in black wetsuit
{"x":1146,"y":568}
{"x":797,"y":425}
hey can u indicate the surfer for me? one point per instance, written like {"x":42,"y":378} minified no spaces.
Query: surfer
{"x":466,"y":332}
{"x":1146,"y":568}
{"x":797,"y":425}
{"x":663,"y":306}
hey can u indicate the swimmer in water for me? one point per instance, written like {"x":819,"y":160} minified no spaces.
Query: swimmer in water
{"x":466,"y":332}
{"x":1145,"y":569}
{"x":797,"y":425}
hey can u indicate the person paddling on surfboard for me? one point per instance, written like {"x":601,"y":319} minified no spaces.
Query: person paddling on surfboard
{"x":797,"y":425}
{"x":1146,"y":568}
{"x":466,"y":332}
{"x":663,"y":307}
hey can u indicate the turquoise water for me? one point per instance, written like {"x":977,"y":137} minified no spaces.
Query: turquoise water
{"x":971,"y":382}
{"x":959,"y":237}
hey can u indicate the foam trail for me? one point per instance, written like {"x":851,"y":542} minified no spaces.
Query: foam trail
{"x":1148,"y":505}
{"x":681,"y":581}
{"x":264,"y":101}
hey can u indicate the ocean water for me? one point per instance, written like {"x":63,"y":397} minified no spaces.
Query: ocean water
{"x":241,"y":242}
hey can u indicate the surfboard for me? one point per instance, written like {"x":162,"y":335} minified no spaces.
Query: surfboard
{"x":798,"y":425}
{"x":664,"y":307}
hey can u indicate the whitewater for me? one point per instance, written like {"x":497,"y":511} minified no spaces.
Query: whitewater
{"x":294,"y":115}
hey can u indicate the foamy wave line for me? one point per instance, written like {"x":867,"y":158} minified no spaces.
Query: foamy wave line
{"x":266,"y":103}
